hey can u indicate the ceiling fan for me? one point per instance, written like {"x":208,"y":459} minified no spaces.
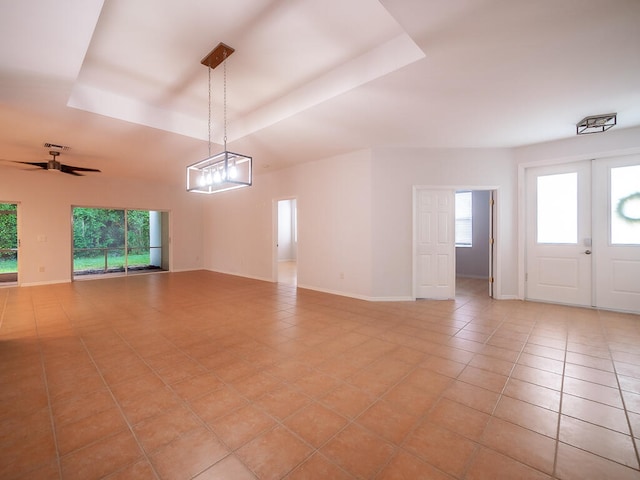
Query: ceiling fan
{"x":55,"y":165}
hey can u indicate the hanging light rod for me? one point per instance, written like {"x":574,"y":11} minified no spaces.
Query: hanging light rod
{"x":217,"y":56}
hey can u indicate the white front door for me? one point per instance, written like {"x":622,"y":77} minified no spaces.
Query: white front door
{"x":434,"y":239}
{"x":617,"y":241}
{"x":564,"y":263}
{"x":559,"y":234}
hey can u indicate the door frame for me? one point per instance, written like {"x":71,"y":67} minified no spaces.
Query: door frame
{"x":274,"y":234}
{"x":522,"y":205}
{"x":494,"y":250}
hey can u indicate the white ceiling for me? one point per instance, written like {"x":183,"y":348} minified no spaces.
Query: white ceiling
{"x":121,"y":83}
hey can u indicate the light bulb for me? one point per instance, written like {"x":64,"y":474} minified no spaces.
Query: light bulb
{"x":209,"y":178}
{"x":216,"y":177}
{"x":202,"y":180}
{"x":233,"y":171}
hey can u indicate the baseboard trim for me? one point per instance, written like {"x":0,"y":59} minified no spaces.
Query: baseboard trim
{"x":49,"y":282}
{"x":236,"y":274}
{"x":356,"y":295}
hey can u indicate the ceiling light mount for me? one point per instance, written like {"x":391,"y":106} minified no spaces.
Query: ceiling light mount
{"x":226,"y":170}
{"x":217,"y":56}
{"x":59,"y":148}
{"x":596,"y":123}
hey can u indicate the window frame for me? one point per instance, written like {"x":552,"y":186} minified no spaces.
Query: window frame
{"x":464,"y":219}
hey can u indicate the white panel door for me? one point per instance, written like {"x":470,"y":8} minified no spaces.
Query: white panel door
{"x":435,"y":244}
{"x":559,"y":234}
{"x":617,"y":240}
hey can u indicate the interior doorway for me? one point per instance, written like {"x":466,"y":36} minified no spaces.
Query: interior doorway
{"x":435,"y":250}
{"x":287,"y":242}
{"x":474,"y":242}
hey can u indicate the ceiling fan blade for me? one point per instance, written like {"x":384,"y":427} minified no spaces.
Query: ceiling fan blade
{"x":35,"y":164}
{"x":81,"y":169}
{"x":56,"y":165}
{"x":70,"y":169}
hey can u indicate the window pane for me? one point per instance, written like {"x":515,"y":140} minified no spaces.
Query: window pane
{"x":625,"y":205}
{"x":138,"y":239}
{"x":8,"y":242}
{"x":98,"y":240}
{"x":8,"y":225}
{"x":464,"y":219}
{"x":558,"y":208}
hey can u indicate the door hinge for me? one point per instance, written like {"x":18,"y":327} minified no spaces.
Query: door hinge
{"x":490,"y":279}
{"x":491,"y":241}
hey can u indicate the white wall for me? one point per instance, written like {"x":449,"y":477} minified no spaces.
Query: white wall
{"x":44,"y":218}
{"x":354,"y":214}
{"x":237,"y":234}
{"x":396,"y":171}
{"x":596,"y":145}
{"x":334,"y":225}
{"x":354,"y":218}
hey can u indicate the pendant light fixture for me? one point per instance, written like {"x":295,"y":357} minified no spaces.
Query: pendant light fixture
{"x":226,"y":170}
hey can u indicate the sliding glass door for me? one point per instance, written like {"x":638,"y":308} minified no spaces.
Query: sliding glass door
{"x":8,"y":243}
{"x":116,"y":241}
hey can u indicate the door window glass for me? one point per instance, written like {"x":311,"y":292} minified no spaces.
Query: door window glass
{"x":625,"y":205}
{"x":557,"y":208}
{"x":98,"y":240}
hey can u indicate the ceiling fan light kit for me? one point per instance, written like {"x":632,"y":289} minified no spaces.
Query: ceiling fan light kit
{"x":225,"y":170}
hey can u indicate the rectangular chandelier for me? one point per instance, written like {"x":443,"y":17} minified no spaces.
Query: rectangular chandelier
{"x":220,"y":172}
{"x":226,"y":170}
{"x":596,"y":123}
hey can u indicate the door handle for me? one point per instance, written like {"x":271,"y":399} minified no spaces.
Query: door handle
{"x":588,"y":252}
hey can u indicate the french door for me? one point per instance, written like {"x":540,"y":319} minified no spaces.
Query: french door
{"x":583,"y":233}
{"x":559,"y":243}
{"x":617,"y":264}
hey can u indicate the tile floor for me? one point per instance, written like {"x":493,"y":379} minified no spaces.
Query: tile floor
{"x":207,"y":376}
{"x":288,"y":272}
